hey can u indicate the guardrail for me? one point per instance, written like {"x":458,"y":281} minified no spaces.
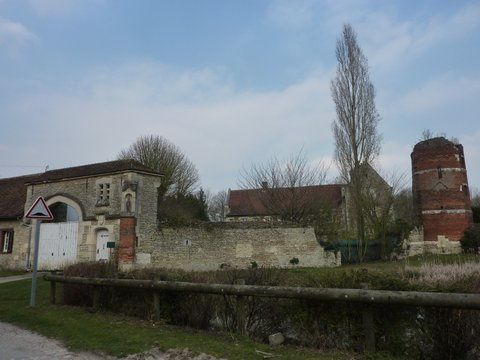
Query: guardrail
{"x":363,"y":296}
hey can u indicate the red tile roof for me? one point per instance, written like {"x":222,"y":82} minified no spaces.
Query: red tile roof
{"x":13,"y":191}
{"x":250,"y":203}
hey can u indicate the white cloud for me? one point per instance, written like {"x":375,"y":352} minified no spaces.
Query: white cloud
{"x":471,"y":146}
{"x":13,"y":35}
{"x":219,"y":127}
{"x":47,"y":8}
{"x":388,"y":41}
{"x":291,"y":14}
{"x":392,"y":43}
{"x":440,"y":93}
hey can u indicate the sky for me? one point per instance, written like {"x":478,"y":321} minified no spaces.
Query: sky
{"x":230,"y":82}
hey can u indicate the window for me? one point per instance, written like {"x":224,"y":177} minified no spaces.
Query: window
{"x":439,"y":171}
{"x":103,"y":194}
{"x":6,"y":241}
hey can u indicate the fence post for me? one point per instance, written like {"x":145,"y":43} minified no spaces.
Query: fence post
{"x":368,"y":325}
{"x":96,"y":297}
{"x":369,"y":329}
{"x":241,"y":314}
{"x":156,"y":305}
{"x":53,"y":286}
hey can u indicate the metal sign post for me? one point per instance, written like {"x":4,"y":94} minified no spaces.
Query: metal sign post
{"x":38,"y":211}
{"x":35,"y":263}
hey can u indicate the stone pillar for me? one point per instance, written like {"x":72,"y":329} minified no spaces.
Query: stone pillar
{"x":126,"y":246}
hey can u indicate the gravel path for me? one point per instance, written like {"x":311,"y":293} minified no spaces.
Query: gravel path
{"x":17,"y":343}
{"x":21,"y":344}
{"x":6,"y":279}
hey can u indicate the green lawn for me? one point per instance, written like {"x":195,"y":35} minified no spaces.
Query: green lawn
{"x":395,"y":266}
{"x":116,"y":335}
{"x":6,"y":272}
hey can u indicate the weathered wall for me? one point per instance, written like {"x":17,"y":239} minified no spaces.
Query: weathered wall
{"x":207,"y":248}
{"x":440,"y":188}
{"x":415,"y":245}
{"x":17,"y":259}
{"x":82,"y":194}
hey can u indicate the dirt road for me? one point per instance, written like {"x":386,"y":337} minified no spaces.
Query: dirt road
{"x":21,"y":344}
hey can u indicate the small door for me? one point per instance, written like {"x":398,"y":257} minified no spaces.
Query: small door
{"x":103,"y":252}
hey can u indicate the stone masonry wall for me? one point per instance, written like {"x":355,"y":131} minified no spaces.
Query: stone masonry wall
{"x":18,"y":258}
{"x":206,"y":248}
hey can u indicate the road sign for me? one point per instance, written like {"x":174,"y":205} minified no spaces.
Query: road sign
{"x":39,"y":210}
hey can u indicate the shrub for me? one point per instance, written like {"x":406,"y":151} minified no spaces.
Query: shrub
{"x":470,"y":241}
{"x":294,"y":261}
{"x":405,"y":331}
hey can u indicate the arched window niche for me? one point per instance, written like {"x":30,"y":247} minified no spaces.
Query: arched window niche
{"x":64,"y":209}
{"x":63,"y":212}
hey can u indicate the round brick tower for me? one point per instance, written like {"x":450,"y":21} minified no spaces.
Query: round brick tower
{"x":440,"y":189}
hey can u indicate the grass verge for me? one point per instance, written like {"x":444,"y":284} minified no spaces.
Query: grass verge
{"x":6,"y":272}
{"x":117,"y":335}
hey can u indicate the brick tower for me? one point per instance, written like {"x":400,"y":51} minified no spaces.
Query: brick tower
{"x":440,"y":189}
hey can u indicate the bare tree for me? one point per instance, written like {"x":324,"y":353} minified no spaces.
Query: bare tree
{"x":217,"y":206}
{"x":180,"y":176}
{"x":380,"y":199}
{"x":284,"y":185}
{"x":427,"y":134}
{"x":475,"y":193}
{"x":355,"y":128}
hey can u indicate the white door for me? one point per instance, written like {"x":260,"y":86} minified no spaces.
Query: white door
{"x":103,"y":252}
{"x":58,"y":245}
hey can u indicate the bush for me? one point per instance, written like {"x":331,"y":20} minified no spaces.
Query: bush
{"x":470,"y":241}
{"x":404,"y":331}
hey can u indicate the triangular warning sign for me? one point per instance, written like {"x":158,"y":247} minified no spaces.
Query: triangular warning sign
{"x":39,"y":210}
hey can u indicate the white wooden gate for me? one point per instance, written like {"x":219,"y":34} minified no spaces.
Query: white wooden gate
{"x":58,"y":245}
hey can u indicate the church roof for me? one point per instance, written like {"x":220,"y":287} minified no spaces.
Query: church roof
{"x":250,"y":202}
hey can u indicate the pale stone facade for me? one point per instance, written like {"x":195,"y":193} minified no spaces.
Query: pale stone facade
{"x":415,"y":245}
{"x":20,"y":250}
{"x":107,"y":193}
{"x":123,"y":204}
{"x":212,"y":247}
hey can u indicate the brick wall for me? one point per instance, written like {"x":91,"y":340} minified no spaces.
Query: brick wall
{"x":126,"y":245}
{"x":440,"y":187}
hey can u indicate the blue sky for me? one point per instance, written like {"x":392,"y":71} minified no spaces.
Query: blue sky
{"x":230,"y":82}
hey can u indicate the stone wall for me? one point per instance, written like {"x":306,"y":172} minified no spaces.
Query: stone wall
{"x":18,"y":258}
{"x":82,"y":194}
{"x":415,"y":245}
{"x":209,"y":248}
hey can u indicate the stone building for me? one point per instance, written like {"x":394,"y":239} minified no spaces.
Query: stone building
{"x":440,"y":192}
{"x":109,"y":210}
{"x":275,"y":203}
{"x":97,"y":208}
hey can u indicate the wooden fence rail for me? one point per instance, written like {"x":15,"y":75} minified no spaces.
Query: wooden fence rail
{"x":365,"y":296}
{"x":413,"y":298}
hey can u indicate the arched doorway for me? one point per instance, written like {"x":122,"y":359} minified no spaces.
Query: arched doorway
{"x":58,"y":239}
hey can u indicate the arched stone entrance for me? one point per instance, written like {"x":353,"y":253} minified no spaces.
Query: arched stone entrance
{"x":59,"y":239}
